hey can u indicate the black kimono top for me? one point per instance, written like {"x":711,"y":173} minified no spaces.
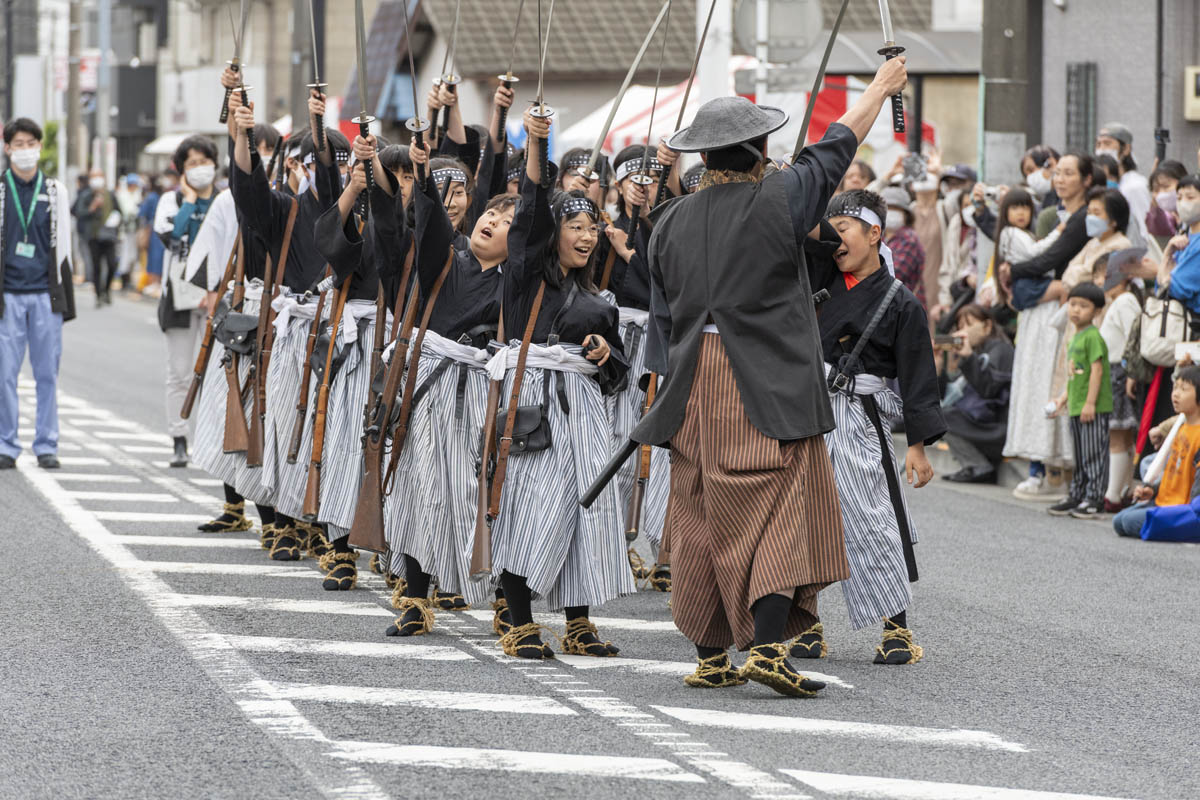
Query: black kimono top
{"x":265,"y":211}
{"x":1059,"y":254}
{"x":899,"y":348}
{"x":630,"y":282}
{"x":532,"y":228}
{"x":369,"y":258}
{"x":470,"y":296}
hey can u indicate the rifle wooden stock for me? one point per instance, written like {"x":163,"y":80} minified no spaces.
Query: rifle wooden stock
{"x":367,"y":529}
{"x":376,"y":353}
{"x":312,"y":489}
{"x":206,"y":345}
{"x":633,"y":516}
{"x":305,"y":377}
{"x":265,"y":340}
{"x":481,"y":546}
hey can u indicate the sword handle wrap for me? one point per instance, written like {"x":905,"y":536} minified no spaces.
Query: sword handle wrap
{"x":320,"y":125}
{"x":419,"y":138}
{"x":503,"y":118}
{"x":661,"y":194}
{"x":890,"y":52}
{"x":544,"y":161}
{"x":364,"y":130}
{"x":631,"y":231}
{"x":445,"y":115}
{"x":225,"y":106}
{"x":250,"y":138}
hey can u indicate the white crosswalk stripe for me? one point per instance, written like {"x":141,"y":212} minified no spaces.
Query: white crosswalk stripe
{"x":273,"y":604}
{"x":149,"y":516}
{"x":219,"y":541}
{"x":871,"y":788}
{"x":680,"y":668}
{"x":94,"y":477}
{"x":421,"y":698}
{"x":391,"y":650}
{"x":616,"y":623}
{"x":126,"y":497}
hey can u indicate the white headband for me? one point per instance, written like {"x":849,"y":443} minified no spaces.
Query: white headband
{"x":871,"y":218}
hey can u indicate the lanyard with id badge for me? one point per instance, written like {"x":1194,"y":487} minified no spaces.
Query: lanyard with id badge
{"x":25,"y":248}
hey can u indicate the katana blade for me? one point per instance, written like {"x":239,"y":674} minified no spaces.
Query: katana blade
{"x":360,"y":43}
{"x":695,"y":65}
{"x":312,"y":30}
{"x":812,"y":96}
{"x":612,"y":112}
{"x":885,"y":15}
{"x":241,"y":37}
{"x":657,"y":80}
{"x":412,"y":71}
{"x":889,"y":51}
{"x":516,"y":31}
{"x":447,"y":60}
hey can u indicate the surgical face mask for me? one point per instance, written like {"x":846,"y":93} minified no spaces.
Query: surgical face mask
{"x":1165,"y":200}
{"x":968,"y":217}
{"x":201,"y":177}
{"x":895,"y":220}
{"x":26,"y":159}
{"x":96,"y":183}
{"x":1038,"y":182}
{"x":1095,"y":226}
{"x":1104,"y":151}
{"x":1113,"y":185}
{"x":1189,"y":211}
{"x":222,"y":184}
{"x":613,"y":209}
{"x":927,"y":185}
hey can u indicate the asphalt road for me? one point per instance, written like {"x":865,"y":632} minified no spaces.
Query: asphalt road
{"x":1058,"y":657}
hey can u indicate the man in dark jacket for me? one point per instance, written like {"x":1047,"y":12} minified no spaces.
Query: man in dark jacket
{"x":754,"y":527}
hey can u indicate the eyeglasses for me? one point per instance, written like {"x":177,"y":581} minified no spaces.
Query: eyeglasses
{"x":579,"y":230}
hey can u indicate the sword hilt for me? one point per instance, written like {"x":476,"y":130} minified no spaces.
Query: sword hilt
{"x":543,"y":111}
{"x":228,"y":92}
{"x":417,"y":127}
{"x":250,"y":137}
{"x":319,"y":141}
{"x":364,"y":130}
{"x":507,"y":82}
{"x":451,"y":84}
{"x":889,"y":52}
{"x":661,"y":193}
{"x":636,"y":219}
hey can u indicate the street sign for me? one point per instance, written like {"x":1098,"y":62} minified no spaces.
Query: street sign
{"x":796,"y":27}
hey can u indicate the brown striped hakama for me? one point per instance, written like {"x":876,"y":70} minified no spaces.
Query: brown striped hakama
{"x":748,"y":516}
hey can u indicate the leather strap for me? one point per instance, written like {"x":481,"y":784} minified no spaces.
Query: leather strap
{"x":404,"y":276}
{"x":609,"y":260}
{"x":287,"y":245}
{"x":513,"y":400}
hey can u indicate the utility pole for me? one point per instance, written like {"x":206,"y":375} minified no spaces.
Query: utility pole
{"x":1008,"y":44}
{"x":72,"y":139}
{"x":104,"y":88}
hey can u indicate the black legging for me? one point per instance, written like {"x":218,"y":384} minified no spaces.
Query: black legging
{"x":104,"y":264}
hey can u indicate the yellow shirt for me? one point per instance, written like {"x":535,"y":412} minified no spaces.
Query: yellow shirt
{"x":1180,"y":472}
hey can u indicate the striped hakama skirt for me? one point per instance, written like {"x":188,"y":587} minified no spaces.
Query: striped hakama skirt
{"x":430,"y":513}
{"x":283,"y":393}
{"x":748,"y":516}
{"x":569,"y":555}
{"x":626,"y":411}
{"x":874,"y":514}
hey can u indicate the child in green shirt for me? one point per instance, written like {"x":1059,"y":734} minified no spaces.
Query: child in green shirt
{"x":1089,"y":401}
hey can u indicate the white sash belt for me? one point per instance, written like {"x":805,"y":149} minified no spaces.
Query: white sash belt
{"x":438,"y":345}
{"x":560,"y":357}
{"x":636,"y":316}
{"x":863,"y":384}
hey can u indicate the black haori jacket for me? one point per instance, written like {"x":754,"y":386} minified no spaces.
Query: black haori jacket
{"x":732,"y":254}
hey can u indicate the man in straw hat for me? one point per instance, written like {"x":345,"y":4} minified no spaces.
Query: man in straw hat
{"x":753,"y":528}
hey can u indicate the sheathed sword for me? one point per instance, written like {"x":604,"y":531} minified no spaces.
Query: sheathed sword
{"x":508,"y":79}
{"x":642,"y":178}
{"x":316,"y":84}
{"x":665,"y":175}
{"x":889,"y":51}
{"x":540,"y":109}
{"x":363,"y":120}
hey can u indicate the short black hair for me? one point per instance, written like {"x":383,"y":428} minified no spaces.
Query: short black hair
{"x":1189,"y":180}
{"x":1115,"y":205}
{"x":1171,"y":169}
{"x":21,"y":125}
{"x":201,"y":144}
{"x":736,"y":158}
{"x":266,"y":134}
{"x":395,"y":158}
{"x":1190,"y":374}
{"x":1090,"y":292}
{"x":851,"y":201}
{"x":1109,"y":164}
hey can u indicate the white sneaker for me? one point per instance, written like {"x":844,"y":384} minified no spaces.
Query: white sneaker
{"x":1035,"y":488}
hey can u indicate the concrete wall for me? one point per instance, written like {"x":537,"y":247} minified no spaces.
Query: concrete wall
{"x":1119,"y":36}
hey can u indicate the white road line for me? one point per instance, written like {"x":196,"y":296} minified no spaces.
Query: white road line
{"x":82,"y":461}
{"x":331,"y":647}
{"x":133,"y":436}
{"x":206,"y":481}
{"x":146,"y":448}
{"x":651,"y":666}
{"x":277,"y":570}
{"x":871,"y":788}
{"x":946,"y":737}
{"x":657,"y":769}
{"x":226,"y":543}
{"x":150,"y":516}
{"x":95,"y":477}
{"x":98,"y":421}
{"x":300,"y":742}
{"x":422,"y":698}
{"x":348,"y":607}
{"x":63,"y":446}
{"x":618,"y":623}
{"x":128,"y":497}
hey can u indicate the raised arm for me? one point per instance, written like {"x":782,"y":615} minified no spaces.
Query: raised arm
{"x":434,"y":233}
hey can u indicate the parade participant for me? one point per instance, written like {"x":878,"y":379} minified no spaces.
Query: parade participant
{"x":543,"y":543}
{"x":873,"y":329}
{"x":753,"y":524}
{"x":432,"y":514}
{"x":38,"y":292}
{"x":181,"y":314}
{"x":265,"y":211}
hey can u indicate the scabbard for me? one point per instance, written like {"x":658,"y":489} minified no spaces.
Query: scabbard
{"x":608,"y":473}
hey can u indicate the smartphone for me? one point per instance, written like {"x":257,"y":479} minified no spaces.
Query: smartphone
{"x":947,"y":340}
{"x":916,"y":167}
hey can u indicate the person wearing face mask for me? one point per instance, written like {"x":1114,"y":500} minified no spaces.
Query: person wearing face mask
{"x":977,"y":421}
{"x":182,"y":307}
{"x":958,"y":238}
{"x":1180,"y":267}
{"x":1162,"y":220}
{"x":99,"y":236}
{"x":908,"y":258}
{"x":1037,"y":165}
{"x":927,"y":220}
{"x":1107,"y":219}
{"x":1116,"y":140}
{"x":38,"y":292}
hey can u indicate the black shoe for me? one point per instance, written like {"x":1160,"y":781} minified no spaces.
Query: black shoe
{"x":972,"y":475}
{"x":180,"y":458}
{"x":1064,"y":508}
{"x":7,"y":462}
{"x":1088,"y":509}
{"x":48,"y":461}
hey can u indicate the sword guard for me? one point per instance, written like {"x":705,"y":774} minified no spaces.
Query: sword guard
{"x":451,"y":80}
{"x":640,"y":178}
{"x":318,"y":86}
{"x":417,"y":125}
{"x":890,"y":51}
{"x":508,"y":80}
{"x":542,"y":111}
{"x":363,"y":119}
